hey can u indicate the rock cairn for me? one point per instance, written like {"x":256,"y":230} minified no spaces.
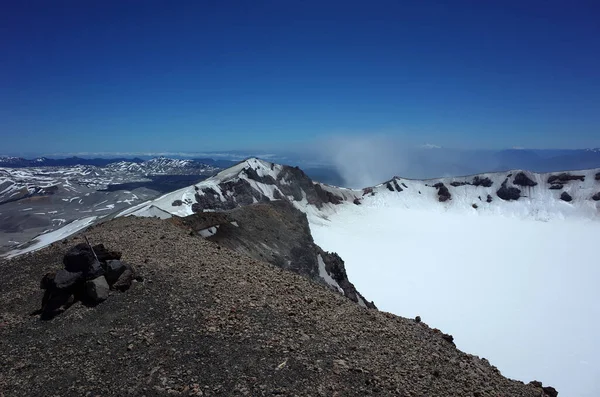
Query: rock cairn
{"x":88,"y":275}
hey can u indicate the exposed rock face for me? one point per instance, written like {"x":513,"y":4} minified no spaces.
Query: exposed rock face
{"x":489,"y":198}
{"x":443,"y":192}
{"x":291,"y":182}
{"x":177,"y":203}
{"x":217,"y":321}
{"x":566,"y":197}
{"x":523,"y":180}
{"x":479,"y":181}
{"x":565,"y":177}
{"x":456,"y":184}
{"x":508,"y":193}
{"x":278,"y":233}
{"x":597,"y":176}
{"x":557,"y":186}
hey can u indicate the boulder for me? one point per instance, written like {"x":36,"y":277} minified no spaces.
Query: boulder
{"x":566,"y":197}
{"x":104,"y":254}
{"x":177,"y":203}
{"x":125,"y":280}
{"x":596,"y":197}
{"x":65,"y":279}
{"x":79,"y":258}
{"x":95,"y":270}
{"x":97,"y":290}
{"x":523,"y":180}
{"x":357,"y":201}
{"x":489,"y":199}
{"x":114,"y":269}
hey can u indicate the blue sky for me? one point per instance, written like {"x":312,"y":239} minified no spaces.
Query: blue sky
{"x":218,"y":75}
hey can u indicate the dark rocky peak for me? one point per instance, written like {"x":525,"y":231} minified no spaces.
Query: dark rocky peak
{"x":248,"y":183}
{"x":565,"y":177}
{"x":523,"y":180}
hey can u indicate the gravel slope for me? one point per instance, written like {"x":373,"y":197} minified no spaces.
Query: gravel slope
{"x":207,"y":321}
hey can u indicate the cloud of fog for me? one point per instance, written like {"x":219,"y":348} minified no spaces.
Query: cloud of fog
{"x":364,"y":160}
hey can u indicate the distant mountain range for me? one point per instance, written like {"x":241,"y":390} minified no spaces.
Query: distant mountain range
{"x":20,"y":162}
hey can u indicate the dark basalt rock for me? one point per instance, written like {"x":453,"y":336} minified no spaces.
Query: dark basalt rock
{"x":523,"y":180}
{"x":266,"y":179}
{"x":443,"y":192}
{"x":508,"y":193}
{"x":104,"y":254}
{"x":457,"y":184}
{"x":326,"y":196}
{"x":485,"y":182}
{"x":389,"y":187}
{"x":489,"y":198}
{"x":79,"y":258}
{"x":598,"y":176}
{"x":596,"y":197}
{"x":397,"y":187}
{"x":475,"y":206}
{"x":566,"y":197}
{"x":403,"y":184}
{"x":550,"y":391}
{"x":556,"y":187}
{"x":277,"y":195}
{"x":357,"y":201}
{"x":65,"y":279}
{"x":177,"y":203}
{"x":565,"y":177}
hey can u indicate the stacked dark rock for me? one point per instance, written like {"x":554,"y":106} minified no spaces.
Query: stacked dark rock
{"x":88,"y":275}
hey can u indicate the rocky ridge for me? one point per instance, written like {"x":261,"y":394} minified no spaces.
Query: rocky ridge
{"x":208,"y":321}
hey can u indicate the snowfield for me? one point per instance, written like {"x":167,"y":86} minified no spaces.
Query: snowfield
{"x":520,"y":292}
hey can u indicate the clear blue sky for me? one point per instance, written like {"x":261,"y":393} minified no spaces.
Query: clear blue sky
{"x":210,"y":75}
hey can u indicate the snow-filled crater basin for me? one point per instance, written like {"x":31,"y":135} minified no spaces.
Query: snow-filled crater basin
{"x":523,"y":293}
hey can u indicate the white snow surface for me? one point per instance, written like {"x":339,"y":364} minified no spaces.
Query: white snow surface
{"x":516,"y":282}
{"x":44,"y":240}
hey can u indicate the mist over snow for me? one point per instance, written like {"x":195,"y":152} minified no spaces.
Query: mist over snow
{"x":522,"y":293}
{"x":364,"y":161}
